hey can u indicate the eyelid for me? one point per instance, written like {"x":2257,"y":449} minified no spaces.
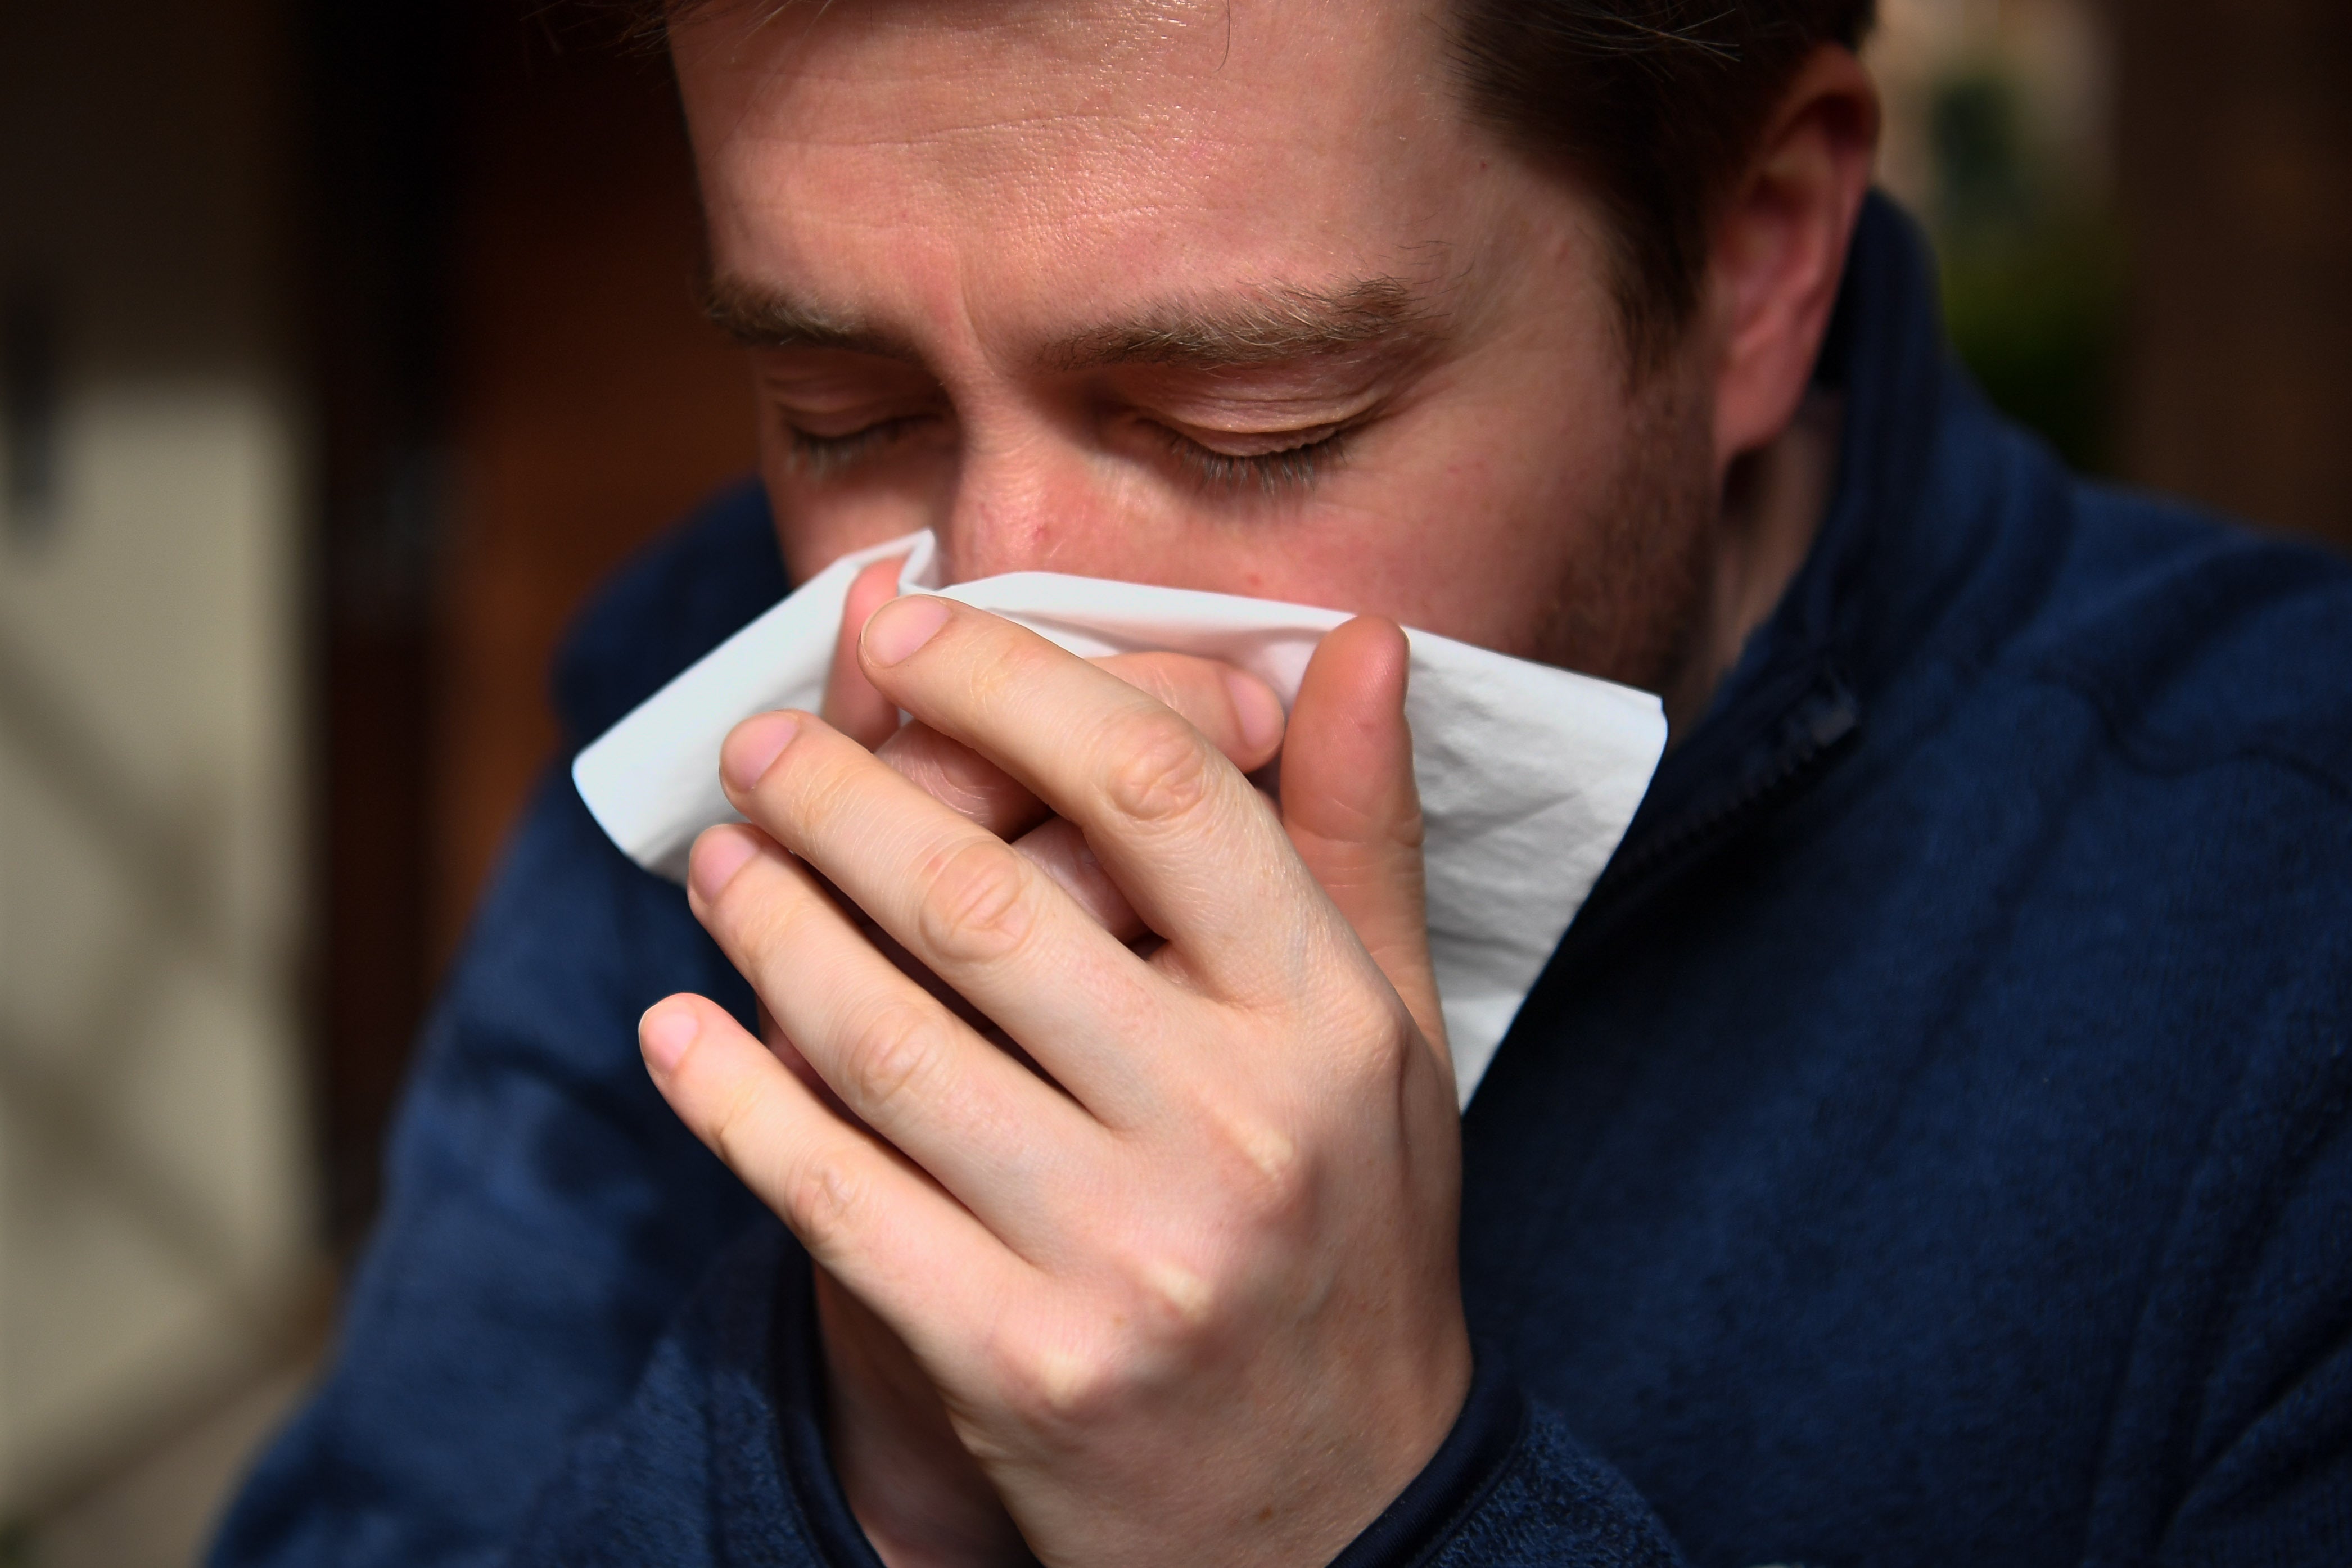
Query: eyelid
{"x":821,"y":455}
{"x":1280,"y":471}
{"x":849,"y":425}
{"x":845,"y":409}
{"x":832,"y":401}
{"x":1244,"y":445}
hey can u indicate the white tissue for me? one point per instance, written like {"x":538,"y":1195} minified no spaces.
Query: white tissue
{"x":1529,"y":775}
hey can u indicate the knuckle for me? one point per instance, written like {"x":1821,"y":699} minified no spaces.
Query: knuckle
{"x":764,"y":927}
{"x":1174,"y":1297}
{"x":1371,"y":1024}
{"x":975,"y":906}
{"x":1057,"y":1382}
{"x":765,"y":917}
{"x":892,"y":1055}
{"x":1160,"y":768}
{"x":802,"y":789}
{"x":822,"y":1198}
{"x":812,"y":797}
{"x":1270,"y":1179}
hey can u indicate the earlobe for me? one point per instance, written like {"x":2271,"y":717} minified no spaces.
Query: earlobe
{"x":1780,"y":249}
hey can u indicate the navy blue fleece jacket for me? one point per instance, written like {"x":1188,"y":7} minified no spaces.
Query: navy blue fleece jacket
{"x":1933,"y":1142}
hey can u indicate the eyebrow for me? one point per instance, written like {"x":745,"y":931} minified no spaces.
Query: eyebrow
{"x":757,"y":317}
{"x":1269,"y":326}
{"x":1266,"y":326}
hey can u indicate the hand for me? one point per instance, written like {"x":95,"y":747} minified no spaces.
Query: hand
{"x":920,"y":1497}
{"x":1195,"y":1298}
{"x":1237,"y":712}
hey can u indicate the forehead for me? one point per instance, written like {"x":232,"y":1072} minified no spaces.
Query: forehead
{"x":1007,"y":163}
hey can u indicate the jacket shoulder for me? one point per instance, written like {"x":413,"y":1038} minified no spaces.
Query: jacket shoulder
{"x":2199,"y":641}
{"x":674,"y":602}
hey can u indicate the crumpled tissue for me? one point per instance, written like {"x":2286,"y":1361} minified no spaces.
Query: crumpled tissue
{"x":1529,"y":775}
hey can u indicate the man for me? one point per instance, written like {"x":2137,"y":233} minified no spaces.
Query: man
{"x":1928,"y":1144}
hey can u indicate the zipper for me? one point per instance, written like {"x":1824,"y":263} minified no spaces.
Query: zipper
{"x":1821,"y":722}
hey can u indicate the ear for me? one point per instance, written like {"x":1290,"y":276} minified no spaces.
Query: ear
{"x":1780,"y":249}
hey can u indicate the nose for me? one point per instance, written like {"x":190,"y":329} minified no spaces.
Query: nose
{"x":1036,"y":502}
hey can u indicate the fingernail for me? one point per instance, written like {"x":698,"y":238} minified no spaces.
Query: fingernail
{"x":1257,"y":709}
{"x":717,"y":856}
{"x":667,"y":1033}
{"x":903,"y":626}
{"x":752,"y":747}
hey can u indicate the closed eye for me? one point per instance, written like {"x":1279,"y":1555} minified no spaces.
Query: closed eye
{"x":1282,"y":470}
{"x":820,"y":455}
{"x":1277,"y":470}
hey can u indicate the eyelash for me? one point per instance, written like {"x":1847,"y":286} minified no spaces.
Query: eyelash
{"x":820,"y":457}
{"x":1292,"y":469}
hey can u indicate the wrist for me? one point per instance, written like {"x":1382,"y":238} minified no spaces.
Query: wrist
{"x":1487,"y":1432}
{"x":918,"y":1494}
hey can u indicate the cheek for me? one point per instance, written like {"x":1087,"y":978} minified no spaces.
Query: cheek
{"x":818,"y":524}
{"x":1473,"y":533}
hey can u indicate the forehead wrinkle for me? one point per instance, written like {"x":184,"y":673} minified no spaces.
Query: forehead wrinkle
{"x":954,"y":136}
{"x":1266,"y":326}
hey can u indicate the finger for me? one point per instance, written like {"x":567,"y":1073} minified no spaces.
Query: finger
{"x":1350,"y":806}
{"x":1060,"y":852}
{"x":962,"y":901}
{"x":1177,"y":826}
{"x":1239,"y":713}
{"x":961,"y":779}
{"x":991,"y":1131}
{"x":852,"y":706}
{"x":863,"y":1212}
{"x":1059,"y":849}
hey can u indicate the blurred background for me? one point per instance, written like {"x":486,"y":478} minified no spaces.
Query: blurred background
{"x":343,"y":348}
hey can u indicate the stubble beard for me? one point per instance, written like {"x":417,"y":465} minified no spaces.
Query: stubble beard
{"x":1630,"y":609}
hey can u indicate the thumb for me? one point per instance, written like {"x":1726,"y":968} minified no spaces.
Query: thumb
{"x":854,"y":705}
{"x":1350,"y":806}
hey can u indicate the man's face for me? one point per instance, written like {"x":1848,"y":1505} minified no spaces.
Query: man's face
{"x":1223,"y":297}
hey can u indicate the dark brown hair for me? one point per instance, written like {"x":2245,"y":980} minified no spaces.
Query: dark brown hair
{"x":1654,"y":104}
